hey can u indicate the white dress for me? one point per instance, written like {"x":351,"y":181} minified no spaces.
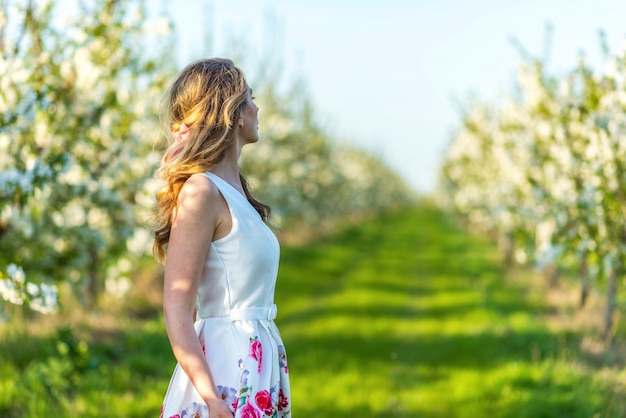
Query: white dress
{"x":235,"y":306}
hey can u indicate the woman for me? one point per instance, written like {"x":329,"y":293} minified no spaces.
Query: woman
{"x":222,"y":259}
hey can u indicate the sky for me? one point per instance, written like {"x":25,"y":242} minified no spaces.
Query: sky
{"x":391,"y":76}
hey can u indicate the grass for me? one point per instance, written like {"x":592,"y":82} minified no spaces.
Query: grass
{"x":401,"y":316}
{"x":420,"y":320}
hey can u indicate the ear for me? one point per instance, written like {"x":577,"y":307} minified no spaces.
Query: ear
{"x":241,"y":123}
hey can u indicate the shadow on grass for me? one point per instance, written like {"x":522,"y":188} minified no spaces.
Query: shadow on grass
{"x":420,"y":257}
{"x":474,"y":351}
{"x":459,"y":311}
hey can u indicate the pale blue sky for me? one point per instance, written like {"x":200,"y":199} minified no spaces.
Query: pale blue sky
{"x":385,"y":75}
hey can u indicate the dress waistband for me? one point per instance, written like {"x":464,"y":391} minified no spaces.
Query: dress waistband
{"x":250,"y":314}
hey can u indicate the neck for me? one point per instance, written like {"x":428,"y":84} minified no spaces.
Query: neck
{"x":228,"y":168}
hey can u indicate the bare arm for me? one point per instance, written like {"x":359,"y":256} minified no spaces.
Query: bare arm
{"x":198,"y":218}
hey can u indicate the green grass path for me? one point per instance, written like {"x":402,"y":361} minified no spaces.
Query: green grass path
{"x":401,"y":316}
{"x":406,"y":316}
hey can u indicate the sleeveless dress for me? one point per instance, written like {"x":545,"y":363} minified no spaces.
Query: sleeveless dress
{"x":235,"y":311}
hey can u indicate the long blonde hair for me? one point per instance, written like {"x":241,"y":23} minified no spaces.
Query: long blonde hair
{"x":207,"y":96}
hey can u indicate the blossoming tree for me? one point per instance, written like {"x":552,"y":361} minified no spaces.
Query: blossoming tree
{"x":78,"y":148}
{"x":546,"y":168}
{"x":77,"y":118}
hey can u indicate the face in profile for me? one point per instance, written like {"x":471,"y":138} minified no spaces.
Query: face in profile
{"x":249,"y":132}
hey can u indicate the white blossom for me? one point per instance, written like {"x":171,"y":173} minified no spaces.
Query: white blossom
{"x":16,"y":290}
{"x":547,"y":166}
{"x":9,"y":292}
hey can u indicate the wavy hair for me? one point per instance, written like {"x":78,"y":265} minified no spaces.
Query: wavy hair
{"x":208,"y":96}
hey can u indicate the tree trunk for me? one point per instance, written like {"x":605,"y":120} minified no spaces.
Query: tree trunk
{"x":92,"y":285}
{"x":609,"y":310}
{"x":552,"y":275}
{"x":507,"y":248}
{"x":585,"y":283}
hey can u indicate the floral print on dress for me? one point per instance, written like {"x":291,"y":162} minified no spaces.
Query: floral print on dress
{"x":264,"y":402}
{"x":229,"y":396}
{"x":249,"y":411}
{"x":161,"y":413}
{"x":272,"y":403}
{"x":203,"y":345}
{"x":248,"y":400}
{"x":256,"y":352}
{"x":282,"y":358}
{"x":283,"y":401}
{"x":195,"y":410}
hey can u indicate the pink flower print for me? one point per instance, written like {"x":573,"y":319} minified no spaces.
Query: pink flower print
{"x":161,"y":413}
{"x":249,"y":411}
{"x":283,"y":401}
{"x":256,"y":352}
{"x":264,"y":402}
{"x":203,"y":346}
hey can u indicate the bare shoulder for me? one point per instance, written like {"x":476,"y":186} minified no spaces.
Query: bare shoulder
{"x":199,"y":201}
{"x":198,"y":190}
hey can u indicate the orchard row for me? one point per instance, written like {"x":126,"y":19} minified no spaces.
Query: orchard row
{"x":544,"y":168}
{"x":80,"y":142}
